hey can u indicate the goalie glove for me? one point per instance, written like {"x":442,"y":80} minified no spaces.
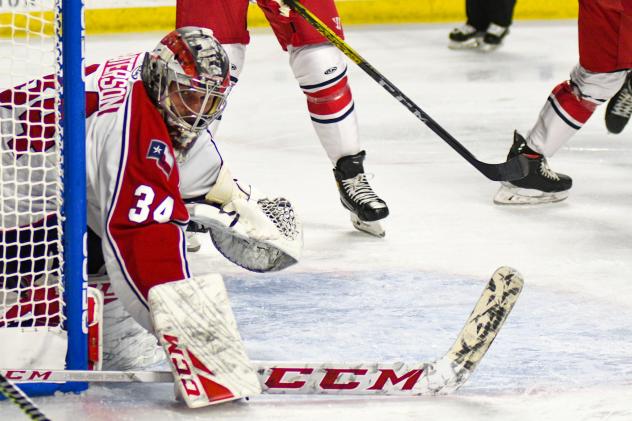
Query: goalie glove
{"x":261,"y":236}
{"x":255,"y":232}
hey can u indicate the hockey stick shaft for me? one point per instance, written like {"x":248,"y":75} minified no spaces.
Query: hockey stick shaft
{"x":422,"y":378}
{"x":514,"y":169}
{"x":275,"y":377}
{"x":18,"y":397}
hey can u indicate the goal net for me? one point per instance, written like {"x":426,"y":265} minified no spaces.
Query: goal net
{"x":42,"y":201}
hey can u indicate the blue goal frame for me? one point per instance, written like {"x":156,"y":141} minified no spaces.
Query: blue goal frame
{"x":70,"y":54}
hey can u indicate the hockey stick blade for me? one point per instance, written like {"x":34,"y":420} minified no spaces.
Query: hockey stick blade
{"x":407,"y":379}
{"x":506,"y":171}
{"x":514,"y":169}
{"x":482,"y":327}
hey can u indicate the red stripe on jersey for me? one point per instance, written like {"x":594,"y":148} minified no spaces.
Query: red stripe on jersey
{"x":330,"y":100}
{"x":149,"y":246}
{"x":578,"y":108}
{"x":91,"y":69}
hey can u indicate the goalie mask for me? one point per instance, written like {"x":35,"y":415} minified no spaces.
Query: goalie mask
{"x":187,"y":77}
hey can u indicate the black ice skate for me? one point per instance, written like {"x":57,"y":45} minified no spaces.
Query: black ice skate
{"x":357,"y":196}
{"x":494,"y":37}
{"x":541,"y":185}
{"x":619,"y":107}
{"x":465,"y":37}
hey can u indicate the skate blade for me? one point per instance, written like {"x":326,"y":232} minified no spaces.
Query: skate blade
{"x":471,"y":44}
{"x":512,"y":195}
{"x":488,"y":48}
{"x":373,"y":228}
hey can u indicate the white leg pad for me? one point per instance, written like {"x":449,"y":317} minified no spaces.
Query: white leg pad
{"x":196,"y":326}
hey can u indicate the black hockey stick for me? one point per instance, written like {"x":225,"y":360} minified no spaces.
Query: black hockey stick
{"x":18,"y":397}
{"x":514,"y":169}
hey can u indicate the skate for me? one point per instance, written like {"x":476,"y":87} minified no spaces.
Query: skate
{"x":465,"y":37}
{"x":357,"y":196}
{"x":193,"y":244}
{"x":541,"y":185}
{"x":493,"y":37}
{"x":619,"y":107}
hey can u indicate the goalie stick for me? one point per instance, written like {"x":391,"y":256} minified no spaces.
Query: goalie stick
{"x":513,"y":169}
{"x":19,"y":398}
{"x":422,"y":378}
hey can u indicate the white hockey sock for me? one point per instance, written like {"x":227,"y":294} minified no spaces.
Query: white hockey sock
{"x":569,"y":107}
{"x":321,"y":72}
{"x":236,"y":56}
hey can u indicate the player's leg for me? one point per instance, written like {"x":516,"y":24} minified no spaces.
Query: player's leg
{"x":593,"y":81}
{"x":567,"y":109}
{"x":619,"y":107}
{"x":500,"y":15}
{"x":321,"y":72}
{"x":605,"y":45}
{"x":228,"y":21}
{"x":470,"y":34}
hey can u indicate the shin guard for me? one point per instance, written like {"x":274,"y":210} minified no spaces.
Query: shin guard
{"x":195,"y":325}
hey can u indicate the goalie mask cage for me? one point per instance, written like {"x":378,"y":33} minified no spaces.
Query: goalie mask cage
{"x":43,"y":189}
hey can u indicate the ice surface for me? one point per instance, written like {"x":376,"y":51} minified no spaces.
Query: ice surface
{"x":564,"y":354}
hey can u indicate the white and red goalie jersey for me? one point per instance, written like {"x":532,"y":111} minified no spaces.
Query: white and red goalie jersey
{"x":134,"y":191}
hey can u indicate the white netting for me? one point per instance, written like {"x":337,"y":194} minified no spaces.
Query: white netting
{"x":31,"y":166}
{"x":280,"y":211}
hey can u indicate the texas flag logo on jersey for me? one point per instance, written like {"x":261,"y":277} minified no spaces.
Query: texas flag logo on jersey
{"x":159,"y":151}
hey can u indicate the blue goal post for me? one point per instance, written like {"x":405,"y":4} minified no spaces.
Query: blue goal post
{"x":56,"y":28}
